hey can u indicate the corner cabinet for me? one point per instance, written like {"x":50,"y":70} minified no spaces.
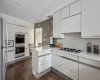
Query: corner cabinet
{"x":57,"y":25}
{"x":90,"y":18}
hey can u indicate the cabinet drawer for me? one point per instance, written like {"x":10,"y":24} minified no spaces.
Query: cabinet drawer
{"x":10,"y":56}
{"x":75,"y":8}
{"x":65,"y":12}
{"x":90,"y":62}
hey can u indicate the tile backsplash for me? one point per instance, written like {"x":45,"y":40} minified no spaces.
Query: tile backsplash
{"x":74,"y":40}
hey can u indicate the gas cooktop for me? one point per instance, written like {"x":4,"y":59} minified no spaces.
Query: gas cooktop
{"x":71,"y":50}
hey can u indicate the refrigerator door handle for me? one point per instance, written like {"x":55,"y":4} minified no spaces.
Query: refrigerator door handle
{"x":6,"y":46}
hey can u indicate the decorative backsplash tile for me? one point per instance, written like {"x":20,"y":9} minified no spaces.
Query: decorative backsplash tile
{"x":47,"y":27}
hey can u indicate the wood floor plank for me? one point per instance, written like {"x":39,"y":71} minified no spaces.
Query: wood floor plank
{"x":22,"y":71}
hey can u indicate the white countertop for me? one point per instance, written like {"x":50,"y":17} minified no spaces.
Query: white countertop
{"x":42,"y":50}
{"x":91,"y":56}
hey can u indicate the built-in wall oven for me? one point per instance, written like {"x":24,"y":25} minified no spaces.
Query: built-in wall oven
{"x":20,"y":51}
{"x":19,"y":45}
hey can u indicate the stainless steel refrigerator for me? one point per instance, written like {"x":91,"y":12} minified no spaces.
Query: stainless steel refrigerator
{"x":3,"y":49}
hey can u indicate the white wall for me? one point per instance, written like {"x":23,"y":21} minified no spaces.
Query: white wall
{"x":74,"y":40}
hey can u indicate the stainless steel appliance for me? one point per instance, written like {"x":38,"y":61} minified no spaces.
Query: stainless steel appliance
{"x":20,"y":51}
{"x":3,"y":49}
{"x":71,"y":50}
{"x":19,"y":38}
{"x":19,"y":45}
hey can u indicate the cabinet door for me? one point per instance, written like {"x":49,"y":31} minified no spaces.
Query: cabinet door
{"x":17,"y":21}
{"x":27,"y":52}
{"x":57,"y":25}
{"x":10,"y":56}
{"x":31,"y":36}
{"x":41,"y":64}
{"x":17,"y":29}
{"x":27,"y":24}
{"x":75,"y":8}
{"x":88,"y":73}
{"x":72,"y":69}
{"x":23,"y":23}
{"x":65,"y":12}
{"x":8,"y":19}
{"x":31,"y":25}
{"x":11,"y":31}
{"x":48,"y":61}
{"x":22,"y":29}
{"x":72,"y":24}
{"x":55,"y":62}
{"x":90,"y":19}
{"x":30,"y":33}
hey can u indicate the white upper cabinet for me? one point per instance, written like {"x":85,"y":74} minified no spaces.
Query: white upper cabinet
{"x":31,"y":25}
{"x":22,"y":29}
{"x":72,"y":24}
{"x":27,"y":24}
{"x":23,"y":23}
{"x":8,"y":19}
{"x":75,"y":8}
{"x":90,"y":18}
{"x":17,"y":21}
{"x":11,"y":31}
{"x":65,"y":12}
{"x":30,"y":35}
{"x":57,"y":25}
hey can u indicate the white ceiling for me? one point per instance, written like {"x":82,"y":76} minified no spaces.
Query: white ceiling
{"x":30,"y":10}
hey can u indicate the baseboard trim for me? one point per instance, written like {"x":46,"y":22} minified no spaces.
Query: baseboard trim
{"x":43,"y":73}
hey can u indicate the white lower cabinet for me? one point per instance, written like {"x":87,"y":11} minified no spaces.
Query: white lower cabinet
{"x":44,"y":63}
{"x":48,"y":61}
{"x":41,"y":64}
{"x":65,"y":66}
{"x":10,"y":56}
{"x":88,"y":73}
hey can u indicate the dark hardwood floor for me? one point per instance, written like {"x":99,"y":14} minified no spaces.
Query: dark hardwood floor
{"x":22,"y":71}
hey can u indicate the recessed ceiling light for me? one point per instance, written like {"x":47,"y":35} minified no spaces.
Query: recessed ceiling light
{"x":18,"y":4}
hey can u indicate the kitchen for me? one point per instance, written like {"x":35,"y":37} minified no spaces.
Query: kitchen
{"x":64,"y":43}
